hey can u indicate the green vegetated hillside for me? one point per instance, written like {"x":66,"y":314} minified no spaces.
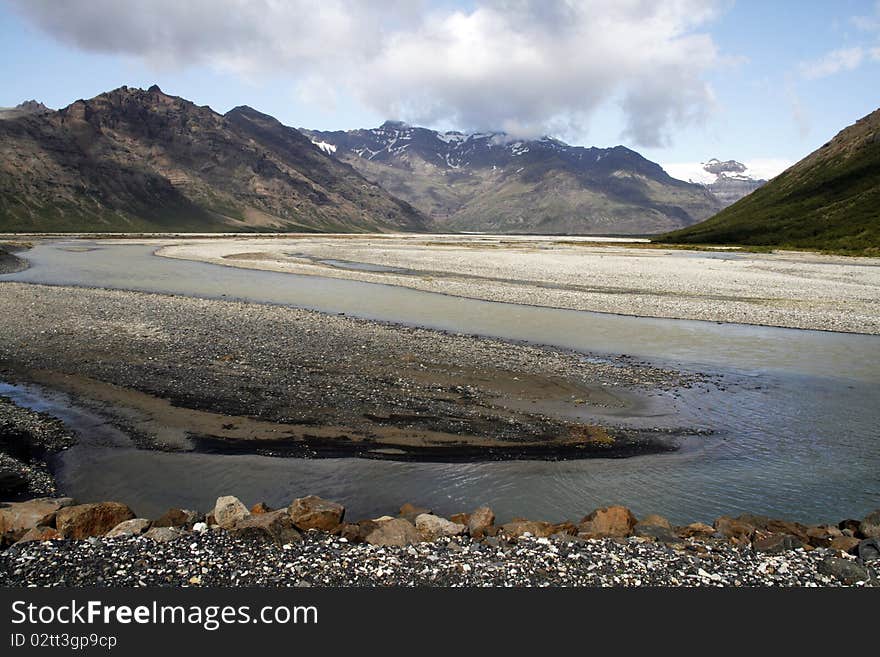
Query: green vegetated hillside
{"x":133,"y":160}
{"x":829,"y":201}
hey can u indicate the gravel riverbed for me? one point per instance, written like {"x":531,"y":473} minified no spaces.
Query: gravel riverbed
{"x":215,"y":558}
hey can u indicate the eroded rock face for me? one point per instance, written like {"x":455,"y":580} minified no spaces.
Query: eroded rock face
{"x":610,"y":521}
{"x":273,"y":527}
{"x":84,"y":520}
{"x":480,"y":521}
{"x":432,"y":527}
{"x":391,"y":532}
{"x":16,"y":518}
{"x":133,"y":527}
{"x":229,"y":510}
{"x":312,"y":512}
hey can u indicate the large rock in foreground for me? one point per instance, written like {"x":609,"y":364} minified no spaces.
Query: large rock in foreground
{"x":16,"y":518}
{"x":84,"y":520}
{"x":391,"y":532}
{"x":609,"y":521}
{"x":312,"y":512}
{"x":432,"y":527}
{"x":228,"y":510}
{"x":273,"y":527}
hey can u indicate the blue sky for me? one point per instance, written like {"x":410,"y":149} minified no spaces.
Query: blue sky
{"x":753,"y":81}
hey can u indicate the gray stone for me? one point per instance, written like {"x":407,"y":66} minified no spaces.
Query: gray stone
{"x":273,"y":527}
{"x":392,"y":532}
{"x":870,"y":525}
{"x":433,"y":527}
{"x":229,"y":510}
{"x":133,"y":527}
{"x":164,"y":534}
{"x":869,"y":550}
{"x":845,"y":570}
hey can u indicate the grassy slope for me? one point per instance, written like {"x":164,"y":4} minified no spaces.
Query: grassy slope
{"x":830,"y":201}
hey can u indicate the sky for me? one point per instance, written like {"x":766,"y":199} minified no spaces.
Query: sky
{"x":679,"y":81}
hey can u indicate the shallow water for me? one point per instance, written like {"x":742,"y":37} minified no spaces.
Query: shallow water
{"x":795,"y":434}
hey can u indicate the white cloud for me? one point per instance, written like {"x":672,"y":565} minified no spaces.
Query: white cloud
{"x":758,"y":168}
{"x":523,"y":66}
{"x":843,"y":59}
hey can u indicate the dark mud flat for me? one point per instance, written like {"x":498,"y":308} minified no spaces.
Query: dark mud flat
{"x":183,"y":373}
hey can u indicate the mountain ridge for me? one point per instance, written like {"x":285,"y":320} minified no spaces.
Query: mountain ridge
{"x":494,"y":182}
{"x":142,"y":160}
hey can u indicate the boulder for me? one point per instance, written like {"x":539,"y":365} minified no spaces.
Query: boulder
{"x":460,"y":518}
{"x":229,"y":510}
{"x":312,"y":512}
{"x":261,"y":507}
{"x":519,"y":527}
{"x":654,"y":520}
{"x":411,"y":512}
{"x":608,"y":521}
{"x":133,"y":527}
{"x":177,"y":518}
{"x":84,"y":520}
{"x":565,"y":528}
{"x":40,"y":533}
{"x":16,"y":518}
{"x":869,"y":550}
{"x":272,"y":527}
{"x":849,"y":527}
{"x":480,"y":521}
{"x":164,"y":534}
{"x":695,"y":530}
{"x":391,"y":532}
{"x":869,"y":527}
{"x":787,"y":527}
{"x":432,"y":527}
{"x":736,"y":530}
{"x":822,"y":535}
{"x":847,"y":544}
{"x":845,"y":570}
{"x":657,"y":533}
{"x":773,"y":543}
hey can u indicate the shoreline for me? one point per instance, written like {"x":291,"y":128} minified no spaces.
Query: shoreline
{"x":310,"y":543}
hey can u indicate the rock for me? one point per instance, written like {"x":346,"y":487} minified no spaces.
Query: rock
{"x":845,"y":570}
{"x":869,"y":550}
{"x":822,"y":535}
{"x":261,"y":507}
{"x":846,"y":544}
{"x":657,"y":533}
{"x":312,"y":512}
{"x":536,"y":528}
{"x":480,"y":521}
{"x":272,"y":527}
{"x":736,"y":530}
{"x":84,"y":520}
{"x":460,"y":518}
{"x":695,"y":529}
{"x":432,"y":527}
{"x":411,"y":512}
{"x":849,"y":525}
{"x":391,"y":532}
{"x":133,"y":527}
{"x":566,"y":528}
{"x":655,"y":520}
{"x":164,"y":534}
{"x":40,"y":533}
{"x":608,"y":521}
{"x":16,"y":518}
{"x":772,"y":543}
{"x":229,"y":510}
{"x":795,"y":529}
{"x":869,"y":527}
{"x":177,"y":518}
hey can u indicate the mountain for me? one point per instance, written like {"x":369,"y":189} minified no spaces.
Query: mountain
{"x":491,"y":182}
{"x":727,"y":181}
{"x":830,"y":200}
{"x":22,"y":109}
{"x":135,"y":160}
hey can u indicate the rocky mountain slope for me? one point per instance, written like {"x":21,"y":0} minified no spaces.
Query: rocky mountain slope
{"x":494,"y":183}
{"x":728,"y":181}
{"x":135,"y":160}
{"x":830,"y":200}
{"x":23,"y":109}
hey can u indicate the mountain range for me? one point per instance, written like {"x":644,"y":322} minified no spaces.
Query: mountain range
{"x":492,"y":182}
{"x":830,"y":200}
{"x":142,"y":160}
